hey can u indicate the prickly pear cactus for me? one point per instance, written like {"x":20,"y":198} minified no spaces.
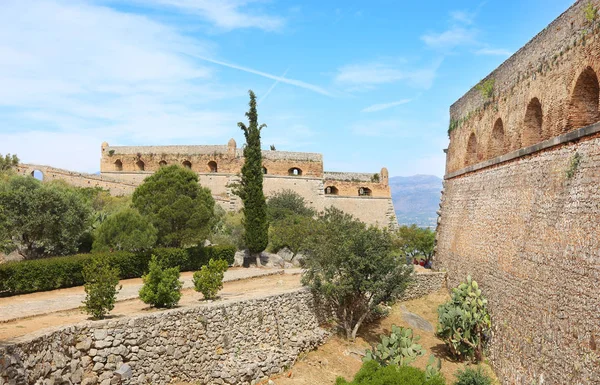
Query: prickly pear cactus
{"x":464,"y":321}
{"x":399,"y":348}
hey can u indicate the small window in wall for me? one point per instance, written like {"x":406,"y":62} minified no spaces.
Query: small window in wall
{"x":364,"y":192}
{"x":264,"y":170}
{"x":162,"y":163}
{"x":118,"y":165}
{"x":294,"y":171}
{"x":212,"y":166}
{"x":331,"y":190}
{"x":187,"y":164}
{"x":471,"y":156}
{"x":140,"y":165}
{"x":37,"y":174}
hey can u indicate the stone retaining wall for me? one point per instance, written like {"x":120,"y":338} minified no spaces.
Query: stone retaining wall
{"x":425,"y":283}
{"x":230,"y":343}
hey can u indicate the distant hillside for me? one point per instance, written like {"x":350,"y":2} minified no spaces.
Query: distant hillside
{"x":416,"y":199}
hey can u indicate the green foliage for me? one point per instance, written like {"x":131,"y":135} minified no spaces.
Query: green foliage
{"x":434,"y":365}
{"x":471,"y":376}
{"x":228,"y":228}
{"x":291,"y":232}
{"x":371,"y":373}
{"x":176,"y":205}
{"x":101,"y":280}
{"x":464,"y":321}
{"x":454,"y":124}
{"x":8,"y":162}
{"x":162,"y":287}
{"x":573,"y":165}
{"x":126,"y":230}
{"x":209,"y":279}
{"x":486,"y":87}
{"x":591,"y":12}
{"x":399,"y":348}
{"x":353,"y":268}
{"x":415,"y":242}
{"x":375,"y":178}
{"x":250,"y":190}
{"x":40,"y":219}
{"x":22,"y":277}
{"x":286,"y":203}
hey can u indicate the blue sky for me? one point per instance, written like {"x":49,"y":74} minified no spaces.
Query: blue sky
{"x":367,"y":84}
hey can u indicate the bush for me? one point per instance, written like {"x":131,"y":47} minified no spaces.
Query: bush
{"x":41,"y":219}
{"x":228,"y":228}
{"x":464,"y":321}
{"x":209,"y":279}
{"x":162,"y":287}
{"x":372,"y":373}
{"x":287,"y":203}
{"x":353,"y":268}
{"x":291,"y":232}
{"x":126,"y":230}
{"x":399,"y":348}
{"x":59,"y":272}
{"x":101,"y":280}
{"x":472,"y":377}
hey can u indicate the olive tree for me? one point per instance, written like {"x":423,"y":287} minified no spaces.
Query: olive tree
{"x":353,"y":267}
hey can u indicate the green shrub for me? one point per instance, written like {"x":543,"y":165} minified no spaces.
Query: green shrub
{"x":60,"y":272}
{"x":464,"y":321}
{"x":162,"y":287}
{"x":472,"y":377}
{"x":372,"y":373}
{"x":291,"y":232}
{"x":287,"y":203}
{"x":101,"y":280}
{"x":209,"y":279}
{"x":126,"y":230}
{"x":399,"y":348}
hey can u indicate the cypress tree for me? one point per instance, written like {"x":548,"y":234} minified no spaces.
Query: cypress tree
{"x":251,"y":186}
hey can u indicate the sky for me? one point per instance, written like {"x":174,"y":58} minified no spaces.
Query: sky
{"x":366,"y":83}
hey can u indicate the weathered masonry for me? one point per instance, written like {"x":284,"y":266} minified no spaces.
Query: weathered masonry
{"x":520,"y":210}
{"x":367,"y":196}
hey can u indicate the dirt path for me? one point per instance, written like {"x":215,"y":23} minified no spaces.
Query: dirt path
{"x":338,"y":357}
{"x":29,"y":305}
{"x":261,"y":282}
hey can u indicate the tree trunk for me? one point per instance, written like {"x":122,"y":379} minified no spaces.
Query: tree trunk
{"x":358,"y":323}
{"x":257,"y":256}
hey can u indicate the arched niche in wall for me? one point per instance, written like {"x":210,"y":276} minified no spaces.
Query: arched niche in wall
{"x":162,"y":163}
{"x":118,"y":165}
{"x":496,"y":146}
{"x":140,"y":165}
{"x":532,"y":126}
{"x":37,"y":174}
{"x":364,"y":192}
{"x":187,"y":164}
{"x":331,"y":190}
{"x":264,"y":170}
{"x":295,"y":171}
{"x":212,"y":166}
{"x":583,"y":108}
{"x":471,"y":154}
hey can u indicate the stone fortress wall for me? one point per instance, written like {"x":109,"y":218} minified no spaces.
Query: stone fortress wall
{"x":520,"y":209}
{"x":122,"y":168}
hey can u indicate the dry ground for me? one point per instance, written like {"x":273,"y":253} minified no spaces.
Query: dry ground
{"x":241,"y":289}
{"x":339,"y":357}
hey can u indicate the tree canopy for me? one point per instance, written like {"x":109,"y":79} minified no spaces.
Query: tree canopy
{"x":256,"y":225}
{"x":8,"y":162}
{"x":286,"y":203}
{"x":126,"y":230}
{"x":415,"y":241}
{"x":353,"y":267}
{"x":41,"y":219}
{"x":176,"y":205}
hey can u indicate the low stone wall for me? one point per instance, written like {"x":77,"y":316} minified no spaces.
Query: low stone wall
{"x":232,"y":343}
{"x":425,"y":283}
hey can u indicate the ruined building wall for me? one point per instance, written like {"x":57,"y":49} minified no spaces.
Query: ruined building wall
{"x":520,"y":209}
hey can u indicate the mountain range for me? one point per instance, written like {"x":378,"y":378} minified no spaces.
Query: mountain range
{"x":416,"y":199}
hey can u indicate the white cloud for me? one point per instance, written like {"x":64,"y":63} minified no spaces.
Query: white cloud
{"x":493,"y":52}
{"x":225,"y":14}
{"x":383,"y":72}
{"x":385,"y":106}
{"x":451,"y":38}
{"x":463,"y":16}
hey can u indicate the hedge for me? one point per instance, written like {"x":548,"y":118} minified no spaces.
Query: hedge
{"x":21,"y":277}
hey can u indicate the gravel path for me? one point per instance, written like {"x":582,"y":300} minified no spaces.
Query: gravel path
{"x":28,"y":305}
